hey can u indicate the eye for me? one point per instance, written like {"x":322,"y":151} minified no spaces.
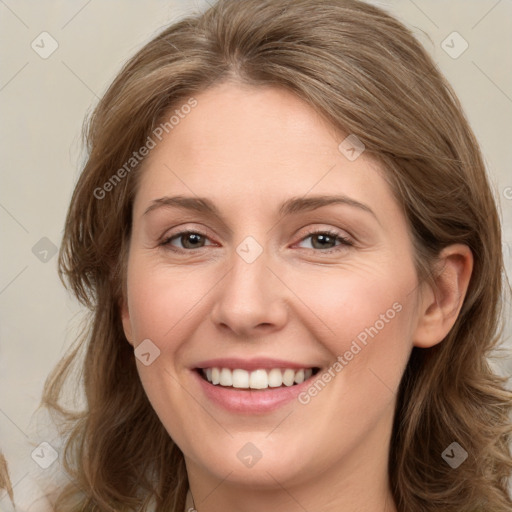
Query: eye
{"x":325,"y":240}
{"x":189,"y":240}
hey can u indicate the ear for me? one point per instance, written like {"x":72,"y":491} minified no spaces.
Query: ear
{"x":440,"y":307}
{"x":125,"y":317}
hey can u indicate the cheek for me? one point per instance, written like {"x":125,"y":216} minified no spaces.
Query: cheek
{"x":162,"y":299}
{"x":364,"y":317}
{"x":360,"y":313}
{"x":366,"y":304}
{"x":369,"y":323}
{"x":355,"y":300}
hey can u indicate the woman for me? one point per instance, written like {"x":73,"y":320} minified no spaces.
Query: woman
{"x":292,"y":256}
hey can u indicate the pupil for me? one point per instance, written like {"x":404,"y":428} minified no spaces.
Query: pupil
{"x":192,"y":237}
{"x":323,"y":238}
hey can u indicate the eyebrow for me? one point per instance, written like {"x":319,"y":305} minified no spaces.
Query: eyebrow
{"x":289,"y":207}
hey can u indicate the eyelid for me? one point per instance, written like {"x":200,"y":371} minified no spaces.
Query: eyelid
{"x":346,"y":241}
{"x":166,"y":238}
{"x":336,"y":232}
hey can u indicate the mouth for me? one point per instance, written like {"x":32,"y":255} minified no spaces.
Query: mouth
{"x":258,"y":379}
{"x":254,"y":386}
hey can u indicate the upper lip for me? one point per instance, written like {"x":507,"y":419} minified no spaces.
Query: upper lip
{"x":251,"y":364}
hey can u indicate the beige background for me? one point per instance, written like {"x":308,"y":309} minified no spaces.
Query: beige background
{"x":42,"y":104}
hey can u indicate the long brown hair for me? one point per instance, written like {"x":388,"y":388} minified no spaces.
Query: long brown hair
{"x":367,"y":75}
{"x":5,"y":481}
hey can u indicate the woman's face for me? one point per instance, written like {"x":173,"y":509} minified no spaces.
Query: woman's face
{"x":262,"y":286}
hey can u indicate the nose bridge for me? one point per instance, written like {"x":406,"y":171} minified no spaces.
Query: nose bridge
{"x":249,"y":295}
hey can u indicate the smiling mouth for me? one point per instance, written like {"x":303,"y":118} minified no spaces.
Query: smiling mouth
{"x":259,"y":379}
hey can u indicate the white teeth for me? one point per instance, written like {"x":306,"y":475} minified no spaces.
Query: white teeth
{"x":240,"y":379}
{"x":226,"y":377}
{"x":257,"y":379}
{"x":299,"y":377}
{"x":275,"y":378}
{"x":288,"y":377}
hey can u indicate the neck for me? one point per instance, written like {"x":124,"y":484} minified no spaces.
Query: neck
{"x":247,"y":500}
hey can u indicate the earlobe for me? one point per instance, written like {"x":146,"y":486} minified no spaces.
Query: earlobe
{"x":440,"y":307}
{"x":125,"y":317}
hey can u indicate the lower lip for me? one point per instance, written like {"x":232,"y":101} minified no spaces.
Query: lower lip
{"x":251,"y":401}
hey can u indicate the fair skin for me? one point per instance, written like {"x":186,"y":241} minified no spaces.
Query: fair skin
{"x":248,"y":150}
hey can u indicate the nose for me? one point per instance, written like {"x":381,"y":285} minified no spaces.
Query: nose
{"x":250,"y":299}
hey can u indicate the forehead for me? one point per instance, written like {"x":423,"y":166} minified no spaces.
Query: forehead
{"x":260,"y":144}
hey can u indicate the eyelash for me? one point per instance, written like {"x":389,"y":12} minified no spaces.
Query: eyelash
{"x":345,"y":242}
